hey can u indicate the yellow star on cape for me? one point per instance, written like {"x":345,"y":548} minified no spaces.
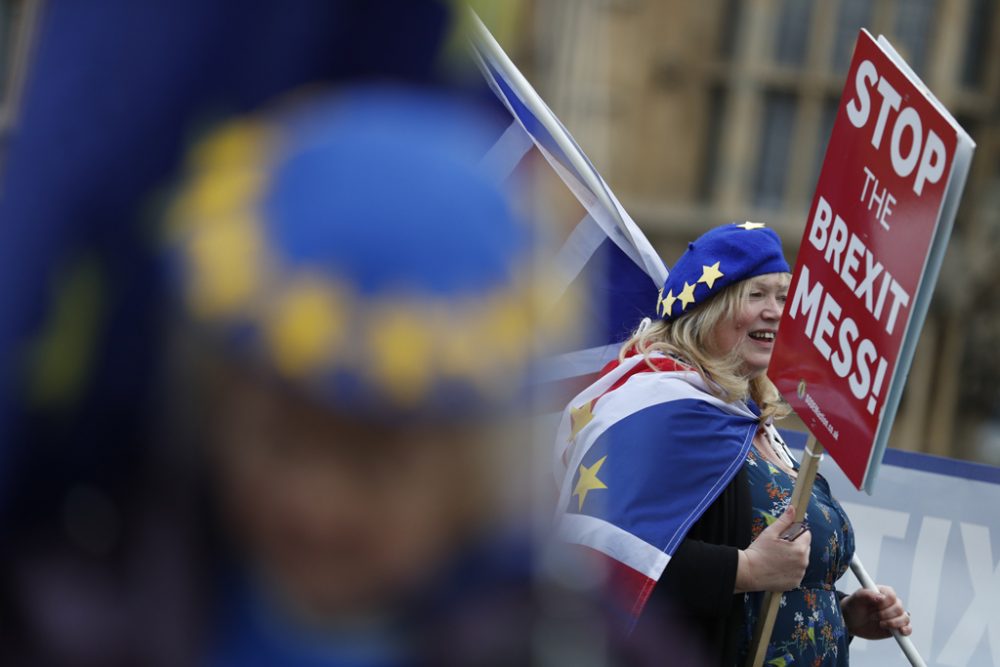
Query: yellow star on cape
{"x":578,"y":418}
{"x":752,"y":225}
{"x":687,"y":295}
{"x":588,"y":480}
{"x":709,"y":274}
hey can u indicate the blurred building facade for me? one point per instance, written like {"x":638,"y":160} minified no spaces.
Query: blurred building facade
{"x":700,"y":113}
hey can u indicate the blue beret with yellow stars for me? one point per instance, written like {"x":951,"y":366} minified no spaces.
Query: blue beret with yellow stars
{"x":354,"y":243}
{"x":720,"y":257}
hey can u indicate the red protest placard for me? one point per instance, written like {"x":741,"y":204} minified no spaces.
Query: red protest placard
{"x":880,"y":218}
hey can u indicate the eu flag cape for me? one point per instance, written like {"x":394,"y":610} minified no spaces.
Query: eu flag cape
{"x":641,"y":454}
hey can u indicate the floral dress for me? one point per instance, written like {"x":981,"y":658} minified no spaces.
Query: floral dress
{"x":809,"y":629}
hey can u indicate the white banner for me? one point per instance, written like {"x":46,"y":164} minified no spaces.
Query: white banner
{"x":932,"y":532}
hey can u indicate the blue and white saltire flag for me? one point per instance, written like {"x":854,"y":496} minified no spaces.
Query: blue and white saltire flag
{"x":612,"y":498}
{"x":605,"y":250}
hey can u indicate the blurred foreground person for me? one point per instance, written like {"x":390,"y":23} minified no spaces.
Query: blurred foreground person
{"x":360,"y":297}
{"x":93,"y":541}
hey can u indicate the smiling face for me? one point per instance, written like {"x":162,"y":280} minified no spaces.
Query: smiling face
{"x":750,"y":332}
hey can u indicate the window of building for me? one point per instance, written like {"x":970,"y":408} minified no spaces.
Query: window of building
{"x":713,"y":130}
{"x":7,"y":44}
{"x":827,"y":117}
{"x":777,"y":130}
{"x":792,"y":43}
{"x":730,"y":18}
{"x":852,"y":15}
{"x":981,"y":13}
{"x":914,"y":19}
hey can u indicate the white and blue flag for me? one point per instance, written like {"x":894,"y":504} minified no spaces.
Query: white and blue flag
{"x":604,"y":251}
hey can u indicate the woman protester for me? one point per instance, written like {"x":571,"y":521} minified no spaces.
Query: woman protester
{"x":673,"y":473}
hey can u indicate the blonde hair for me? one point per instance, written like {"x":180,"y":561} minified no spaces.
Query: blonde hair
{"x":689,"y":338}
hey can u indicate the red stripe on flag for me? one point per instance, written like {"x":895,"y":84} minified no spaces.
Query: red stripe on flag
{"x":668,"y":364}
{"x":625,"y":589}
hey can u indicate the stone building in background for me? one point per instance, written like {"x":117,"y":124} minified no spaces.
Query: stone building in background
{"x":698,"y":113}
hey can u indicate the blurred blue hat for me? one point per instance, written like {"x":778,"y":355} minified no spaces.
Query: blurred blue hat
{"x":719,"y":258}
{"x":356,"y":244}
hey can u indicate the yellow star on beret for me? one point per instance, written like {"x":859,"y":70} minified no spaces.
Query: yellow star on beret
{"x":752,"y":225}
{"x":687,"y":295}
{"x":667,"y":302}
{"x":709,"y":274}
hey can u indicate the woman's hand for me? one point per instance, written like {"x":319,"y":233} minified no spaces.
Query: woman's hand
{"x":772,"y":563}
{"x":872,"y":615}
